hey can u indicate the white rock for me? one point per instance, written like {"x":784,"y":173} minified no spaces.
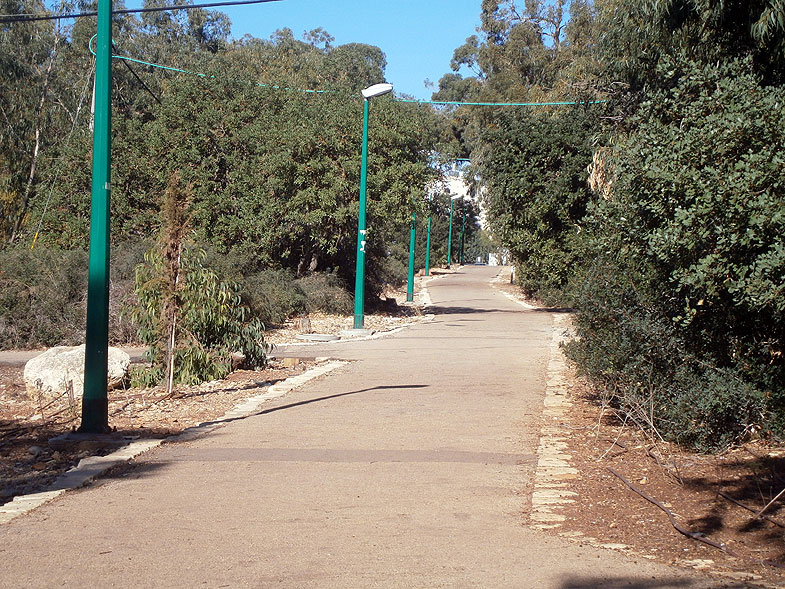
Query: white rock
{"x":51,"y":372}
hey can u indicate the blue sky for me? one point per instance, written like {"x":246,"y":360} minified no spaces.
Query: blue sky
{"x":417,"y":36}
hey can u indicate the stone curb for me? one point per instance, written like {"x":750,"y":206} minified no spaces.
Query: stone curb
{"x":554,"y":468}
{"x":93,"y":466}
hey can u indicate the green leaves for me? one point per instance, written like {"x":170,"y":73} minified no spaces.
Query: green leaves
{"x":535,"y":170}
{"x":212,"y":323}
{"x":694,"y":222}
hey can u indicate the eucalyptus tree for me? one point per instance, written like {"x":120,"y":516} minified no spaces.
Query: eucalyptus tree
{"x":28,"y":52}
{"x":532,"y":160}
{"x":636,"y":37}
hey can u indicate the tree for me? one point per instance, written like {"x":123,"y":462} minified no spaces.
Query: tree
{"x":682,"y":303}
{"x":534,"y":170}
{"x":27,"y":55}
{"x":637,"y":37}
{"x":192,"y":321}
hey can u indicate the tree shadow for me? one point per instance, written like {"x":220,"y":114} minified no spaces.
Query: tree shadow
{"x":592,"y":582}
{"x":742,"y":487}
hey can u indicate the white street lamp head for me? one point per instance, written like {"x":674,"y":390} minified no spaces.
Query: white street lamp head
{"x":376,"y":90}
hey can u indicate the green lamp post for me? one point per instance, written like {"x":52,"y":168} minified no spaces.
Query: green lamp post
{"x":359,"y":282}
{"x":95,"y":414}
{"x":449,"y":233}
{"x":410,"y":282}
{"x":428,"y":247}
{"x":463,"y":229}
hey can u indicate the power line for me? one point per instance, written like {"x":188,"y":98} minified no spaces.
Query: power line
{"x":126,"y":59}
{"x":11,"y":18}
{"x":138,"y":79}
{"x":275,"y":87}
{"x":501,"y":103}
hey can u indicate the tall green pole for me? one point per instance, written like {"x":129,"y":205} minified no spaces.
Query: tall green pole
{"x":428,"y":248}
{"x":449,"y":237}
{"x":359,"y":281}
{"x":95,"y":417}
{"x":463,"y":230}
{"x":410,"y":283}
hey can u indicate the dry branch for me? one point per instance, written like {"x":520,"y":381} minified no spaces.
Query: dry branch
{"x":699,"y":536}
{"x":748,"y":508}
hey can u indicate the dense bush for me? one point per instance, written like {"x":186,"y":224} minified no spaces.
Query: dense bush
{"x":536,"y":170}
{"x":42,"y":297}
{"x":683,"y":299}
{"x":327,"y":293}
{"x":273,"y":296}
{"x":125,"y":256}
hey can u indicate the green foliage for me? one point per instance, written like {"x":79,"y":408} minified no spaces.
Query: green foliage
{"x":685,"y":289}
{"x":275,"y":172}
{"x":42,"y":297}
{"x":273,"y":296}
{"x":327,"y":293}
{"x":212,"y":322}
{"x":535,"y":175}
{"x":637,"y":37}
{"x":479,"y":246}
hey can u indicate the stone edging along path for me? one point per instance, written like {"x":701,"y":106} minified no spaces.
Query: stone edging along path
{"x":554,"y":470}
{"x":93,"y":466}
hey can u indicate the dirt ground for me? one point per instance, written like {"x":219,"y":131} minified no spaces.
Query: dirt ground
{"x":713,"y":498}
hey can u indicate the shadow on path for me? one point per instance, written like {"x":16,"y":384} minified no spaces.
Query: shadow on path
{"x":439,"y":309}
{"x":316,"y":400}
{"x":588,"y":582}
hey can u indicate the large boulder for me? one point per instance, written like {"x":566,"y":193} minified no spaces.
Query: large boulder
{"x":50,"y":373}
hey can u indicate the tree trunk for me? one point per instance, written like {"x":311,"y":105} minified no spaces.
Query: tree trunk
{"x":37,"y":145}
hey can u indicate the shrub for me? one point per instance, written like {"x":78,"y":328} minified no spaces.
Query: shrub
{"x":42,"y":297}
{"x":327,"y":293}
{"x":211,"y":322}
{"x":535,"y":169}
{"x":125,"y":256}
{"x":683,"y":299}
{"x":273,"y":296}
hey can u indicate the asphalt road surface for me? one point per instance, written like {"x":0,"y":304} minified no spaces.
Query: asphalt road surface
{"x":410,"y":466}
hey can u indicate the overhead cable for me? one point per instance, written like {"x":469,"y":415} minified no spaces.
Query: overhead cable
{"x":11,"y":18}
{"x":500,"y":103}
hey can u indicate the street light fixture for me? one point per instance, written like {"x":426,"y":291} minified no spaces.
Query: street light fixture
{"x":359,"y":284}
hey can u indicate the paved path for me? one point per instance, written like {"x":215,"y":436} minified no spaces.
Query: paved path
{"x":409,"y":467}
